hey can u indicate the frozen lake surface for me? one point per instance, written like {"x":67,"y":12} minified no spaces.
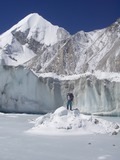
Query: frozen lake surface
{"x":16,"y":144}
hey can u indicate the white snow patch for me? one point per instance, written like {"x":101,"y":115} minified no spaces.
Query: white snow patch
{"x":63,"y":122}
{"x":104,"y":157}
{"x":111,"y":76}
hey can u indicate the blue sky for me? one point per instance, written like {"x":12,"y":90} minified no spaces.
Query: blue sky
{"x":72,"y":15}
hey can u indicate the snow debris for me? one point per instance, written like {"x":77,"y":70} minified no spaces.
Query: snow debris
{"x":63,"y":122}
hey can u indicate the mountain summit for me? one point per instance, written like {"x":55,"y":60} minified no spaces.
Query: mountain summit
{"x":28,"y":37}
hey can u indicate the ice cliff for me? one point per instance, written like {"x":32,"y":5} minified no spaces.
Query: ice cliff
{"x":22,"y":91}
{"x":34,"y":48}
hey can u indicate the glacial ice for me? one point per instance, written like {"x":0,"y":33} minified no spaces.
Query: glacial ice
{"x":23,"y":91}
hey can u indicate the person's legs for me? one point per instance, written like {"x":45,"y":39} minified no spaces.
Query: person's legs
{"x":67,"y":105}
{"x":71,"y":105}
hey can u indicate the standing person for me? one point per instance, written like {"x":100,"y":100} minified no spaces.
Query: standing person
{"x":70,"y":98}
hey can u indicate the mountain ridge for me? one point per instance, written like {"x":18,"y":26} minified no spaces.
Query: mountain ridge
{"x":37,"y":44}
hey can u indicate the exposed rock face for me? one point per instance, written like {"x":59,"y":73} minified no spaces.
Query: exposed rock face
{"x":82,"y":52}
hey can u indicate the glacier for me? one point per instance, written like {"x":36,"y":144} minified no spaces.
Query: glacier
{"x":22,"y":92}
{"x":40,"y":63}
{"x":25,"y":92}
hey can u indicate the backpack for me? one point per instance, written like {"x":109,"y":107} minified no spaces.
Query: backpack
{"x":71,"y":96}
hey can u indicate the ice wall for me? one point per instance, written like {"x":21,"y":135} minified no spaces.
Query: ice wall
{"x":97,"y":96}
{"x":23,"y":92}
{"x":93,"y":96}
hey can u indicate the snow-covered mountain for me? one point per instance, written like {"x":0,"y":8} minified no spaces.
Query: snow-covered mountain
{"x":29,"y":37}
{"x":49,"y":48}
{"x":41,"y":62}
{"x":82,"y":52}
